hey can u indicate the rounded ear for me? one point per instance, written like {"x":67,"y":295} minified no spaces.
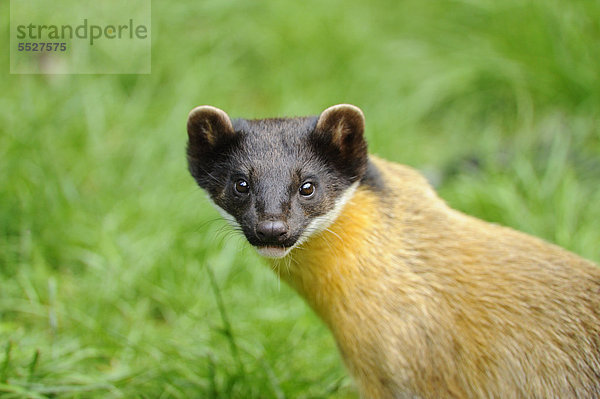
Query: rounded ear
{"x":206,"y":125}
{"x":210,"y":131}
{"x":342,"y":122}
{"x":339,"y":137}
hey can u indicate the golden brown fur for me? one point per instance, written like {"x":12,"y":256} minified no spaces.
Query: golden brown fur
{"x":427,"y":302}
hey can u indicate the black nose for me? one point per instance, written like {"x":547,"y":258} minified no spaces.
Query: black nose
{"x":272,"y":231}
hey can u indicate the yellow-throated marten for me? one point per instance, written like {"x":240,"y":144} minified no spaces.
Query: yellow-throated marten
{"x":423,"y":301}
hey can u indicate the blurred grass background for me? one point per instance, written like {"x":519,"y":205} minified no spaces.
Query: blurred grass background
{"x":117,"y":278}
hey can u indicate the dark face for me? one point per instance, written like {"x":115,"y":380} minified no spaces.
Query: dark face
{"x":278,"y":179}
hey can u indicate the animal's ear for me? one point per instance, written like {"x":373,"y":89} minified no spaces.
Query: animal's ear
{"x":344,"y":123}
{"x":340,"y":133}
{"x":207,"y":126}
{"x":210,"y":132}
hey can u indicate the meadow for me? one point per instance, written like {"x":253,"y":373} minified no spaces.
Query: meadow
{"x":118,"y":279}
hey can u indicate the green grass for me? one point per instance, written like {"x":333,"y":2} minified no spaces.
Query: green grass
{"x":118,"y":280}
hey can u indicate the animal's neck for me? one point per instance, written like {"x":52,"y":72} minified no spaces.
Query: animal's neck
{"x":326,"y":270}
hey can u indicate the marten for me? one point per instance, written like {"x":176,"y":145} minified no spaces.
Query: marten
{"x":423,"y":301}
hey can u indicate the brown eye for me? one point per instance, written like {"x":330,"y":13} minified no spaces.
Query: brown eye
{"x":307,"y":189}
{"x":242,"y":186}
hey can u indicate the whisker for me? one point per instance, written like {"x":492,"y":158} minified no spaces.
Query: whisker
{"x":334,"y":233}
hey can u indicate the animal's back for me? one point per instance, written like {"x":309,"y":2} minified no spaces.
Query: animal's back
{"x":428,"y":302}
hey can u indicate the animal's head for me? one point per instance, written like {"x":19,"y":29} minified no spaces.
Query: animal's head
{"x":281,"y":180}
